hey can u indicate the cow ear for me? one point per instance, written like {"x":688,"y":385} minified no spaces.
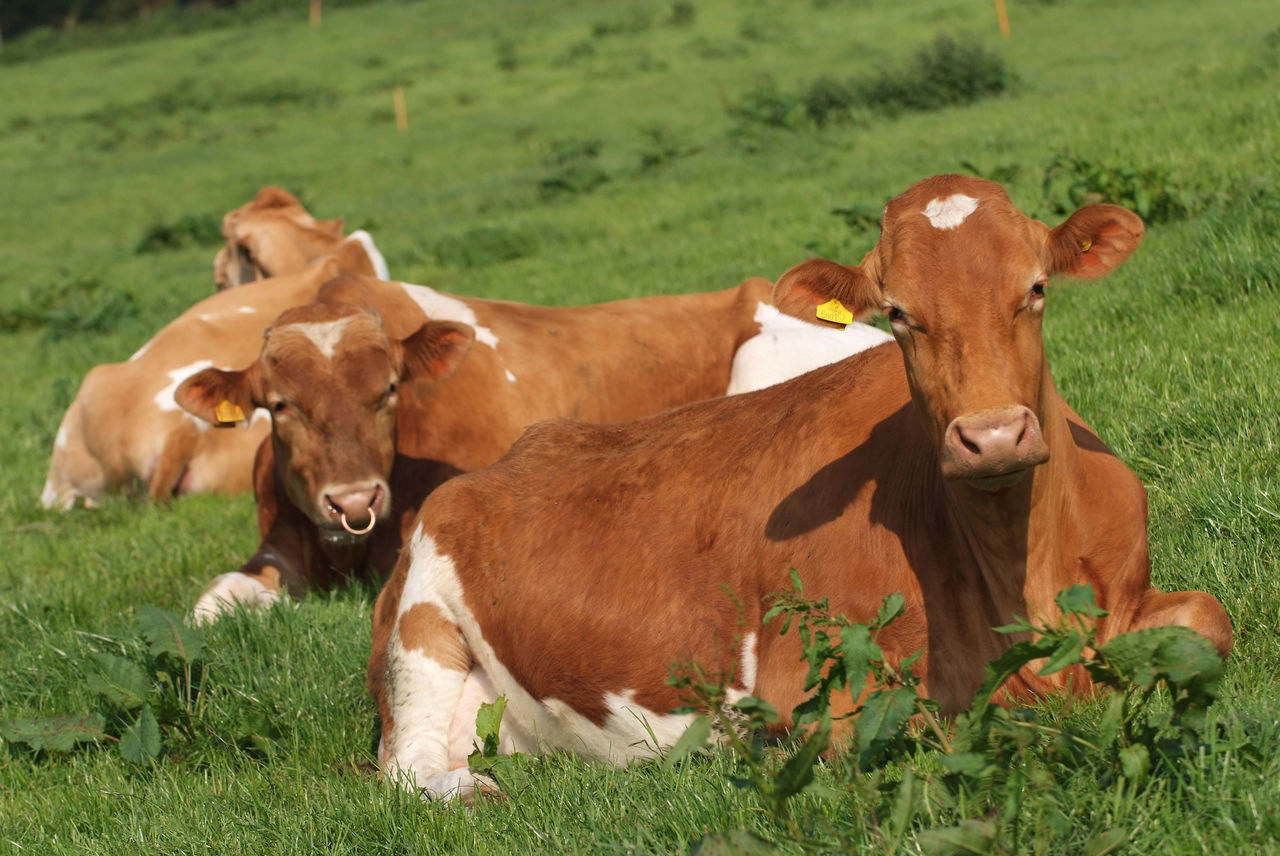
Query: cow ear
{"x":1094,"y":241}
{"x":224,"y":398}
{"x":275,"y":197}
{"x":351,"y":257}
{"x":808,"y":289}
{"x":331,"y":227}
{"x":436,"y":349}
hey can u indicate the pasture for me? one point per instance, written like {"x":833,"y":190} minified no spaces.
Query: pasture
{"x":564,"y":152}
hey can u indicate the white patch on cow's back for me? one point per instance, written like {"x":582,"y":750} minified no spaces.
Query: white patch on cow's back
{"x":325,"y":335}
{"x":510,"y":376}
{"x":371,"y":250}
{"x":245,"y":310}
{"x":443,"y":307}
{"x":950,"y":211}
{"x":60,"y":441}
{"x":787,"y":347}
{"x":138,"y":353}
{"x":164,"y":398}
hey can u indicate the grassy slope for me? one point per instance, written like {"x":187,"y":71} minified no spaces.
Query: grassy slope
{"x":1174,"y":360}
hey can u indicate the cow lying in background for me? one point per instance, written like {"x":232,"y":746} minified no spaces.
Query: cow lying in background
{"x":123,"y":429}
{"x":351,"y":458}
{"x":570,"y":575}
{"x":273,"y":235}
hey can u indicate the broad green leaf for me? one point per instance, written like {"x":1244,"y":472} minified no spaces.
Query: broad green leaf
{"x":795,"y":581}
{"x":694,"y":738}
{"x":1112,"y":718}
{"x":1066,"y":654}
{"x":970,"y":836}
{"x":168,"y":635}
{"x":971,"y":764}
{"x":890,"y":609}
{"x":1106,"y":842}
{"x":883,"y":715}
{"x":1135,"y":762}
{"x":857,"y":650}
{"x":1150,"y":655}
{"x":59,"y":733}
{"x":488,"y":723}
{"x":1078,"y":600}
{"x":736,"y":842}
{"x":141,"y":741}
{"x":119,"y":680}
{"x":757,"y":709}
{"x":798,"y":771}
{"x":904,"y":804}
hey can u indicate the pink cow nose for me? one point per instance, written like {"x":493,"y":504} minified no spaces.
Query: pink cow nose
{"x":998,"y":444}
{"x":357,"y":510}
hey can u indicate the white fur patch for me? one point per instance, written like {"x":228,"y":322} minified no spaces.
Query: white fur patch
{"x":787,"y":347}
{"x":432,"y":706}
{"x":371,"y":250}
{"x":245,"y":310}
{"x":61,"y":440}
{"x":325,"y":335}
{"x":226,"y":591}
{"x":949,"y":212}
{"x":138,"y":353}
{"x":747,"y":668}
{"x":510,"y":377}
{"x":164,"y":398}
{"x":442,"y":307}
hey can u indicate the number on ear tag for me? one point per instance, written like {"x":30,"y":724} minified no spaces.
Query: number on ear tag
{"x":833,"y":310}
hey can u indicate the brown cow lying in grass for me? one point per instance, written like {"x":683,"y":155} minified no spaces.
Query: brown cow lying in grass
{"x":351,"y":456}
{"x":124,"y":430}
{"x":570,"y":575}
{"x":272,"y":235}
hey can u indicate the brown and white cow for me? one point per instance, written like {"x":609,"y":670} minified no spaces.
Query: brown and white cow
{"x":341,"y":478}
{"x":570,"y":575}
{"x":272,"y":235}
{"x":124,"y":430}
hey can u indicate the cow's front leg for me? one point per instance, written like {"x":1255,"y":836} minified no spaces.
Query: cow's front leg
{"x":422,"y":671}
{"x":255,"y":586}
{"x":1197,"y":610}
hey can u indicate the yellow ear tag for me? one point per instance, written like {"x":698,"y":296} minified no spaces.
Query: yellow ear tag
{"x":228,"y":412}
{"x":1085,"y":245}
{"x":833,"y":310}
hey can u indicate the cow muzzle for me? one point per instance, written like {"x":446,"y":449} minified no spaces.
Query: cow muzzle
{"x":354,"y":509}
{"x":993,"y":449}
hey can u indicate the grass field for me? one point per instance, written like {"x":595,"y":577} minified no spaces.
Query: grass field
{"x":564,"y":152}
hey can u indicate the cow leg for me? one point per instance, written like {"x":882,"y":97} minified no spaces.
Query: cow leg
{"x":255,"y":586}
{"x":425,"y":695}
{"x":1197,"y":610}
{"x":171,"y":463}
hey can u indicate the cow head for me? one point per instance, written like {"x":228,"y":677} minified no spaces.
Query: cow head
{"x":961,"y":275}
{"x":271,"y":236}
{"x":330,"y":378}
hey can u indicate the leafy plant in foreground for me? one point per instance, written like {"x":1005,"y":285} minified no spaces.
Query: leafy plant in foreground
{"x":139,"y":699}
{"x":974,"y":775}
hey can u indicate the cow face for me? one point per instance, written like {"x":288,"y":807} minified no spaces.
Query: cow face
{"x":330,"y":379}
{"x":962,"y":275}
{"x":271,"y":236}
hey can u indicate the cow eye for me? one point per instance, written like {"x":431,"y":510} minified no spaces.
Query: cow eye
{"x":391,"y":390}
{"x":1038,"y":289}
{"x":895,"y":315}
{"x":279,"y":407}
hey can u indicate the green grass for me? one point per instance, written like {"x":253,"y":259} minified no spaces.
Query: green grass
{"x":1175,"y":359}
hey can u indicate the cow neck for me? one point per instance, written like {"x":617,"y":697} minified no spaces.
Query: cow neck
{"x":1008,"y":533}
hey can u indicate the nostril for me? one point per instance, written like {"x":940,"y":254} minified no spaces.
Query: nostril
{"x":959,"y":438}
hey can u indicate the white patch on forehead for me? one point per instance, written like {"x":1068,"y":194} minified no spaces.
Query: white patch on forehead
{"x":787,"y":347}
{"x":371,"y":250}
{"x":442,"y":307}
{"x":164,"y":398}
{"x":950,"y":212}
{"x":325,"y":335}
{"x":138,"y":353}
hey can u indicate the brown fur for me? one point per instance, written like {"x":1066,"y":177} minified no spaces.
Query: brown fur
{"x":593,"y":557}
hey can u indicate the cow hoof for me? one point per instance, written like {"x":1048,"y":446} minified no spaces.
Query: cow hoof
{"x":227,"y":591}
{"x":462,"y":785}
